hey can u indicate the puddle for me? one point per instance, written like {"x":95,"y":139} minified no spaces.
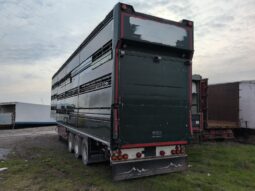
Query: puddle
{"x":4,"y":153}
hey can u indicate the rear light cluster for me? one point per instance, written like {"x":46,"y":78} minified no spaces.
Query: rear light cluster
{"x":162,"y":153}
{"x":117,"y":155}
{"x":178,"y":150}
{"x":138,"y":155}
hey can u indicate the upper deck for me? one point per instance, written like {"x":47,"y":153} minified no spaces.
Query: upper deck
{"x":135,"y":26}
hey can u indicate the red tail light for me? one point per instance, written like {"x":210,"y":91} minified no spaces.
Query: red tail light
{"x":179,"y":149}
{"x":120,"y":157}
{"x":114,"y":157}
{"x":138,"y":155}
{"x":125,"y":156}
{"x":162,"y":153}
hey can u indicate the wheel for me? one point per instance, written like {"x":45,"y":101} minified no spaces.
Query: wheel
{"x":77,"y":146}
{"x":70,"y":142}
{"x":84,"y":151}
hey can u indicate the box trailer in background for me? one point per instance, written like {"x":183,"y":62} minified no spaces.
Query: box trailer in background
{"x":203,"y":101}
{"x":231,"y":107}
{"x":222,"y":111}
{"x":124,"y":95}
{"x":204,"y":130}
{"x":13,"y":114}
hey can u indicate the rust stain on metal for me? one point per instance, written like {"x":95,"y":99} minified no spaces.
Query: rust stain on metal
{"x":222,"y":124}
{"x":223,"y":105}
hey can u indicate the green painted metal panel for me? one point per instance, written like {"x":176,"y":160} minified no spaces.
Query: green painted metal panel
{"x":154,"y":98}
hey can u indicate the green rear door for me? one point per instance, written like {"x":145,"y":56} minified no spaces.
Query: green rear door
{"x":154,"y":99}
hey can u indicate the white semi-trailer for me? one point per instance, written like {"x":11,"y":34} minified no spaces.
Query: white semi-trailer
{"x":24,"y":114}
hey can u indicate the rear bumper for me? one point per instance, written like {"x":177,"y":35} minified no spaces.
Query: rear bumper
{"x":147,"y":167}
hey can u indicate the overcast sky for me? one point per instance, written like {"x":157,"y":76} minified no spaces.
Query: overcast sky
{"x":37,"y":36}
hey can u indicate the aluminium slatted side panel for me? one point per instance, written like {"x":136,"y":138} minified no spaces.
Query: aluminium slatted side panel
{"x":84,"y":97}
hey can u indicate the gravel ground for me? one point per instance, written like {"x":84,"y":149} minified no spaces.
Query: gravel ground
{"x":20,"y":139}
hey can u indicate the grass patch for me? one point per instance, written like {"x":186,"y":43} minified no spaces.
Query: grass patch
{"x":218,"y":166}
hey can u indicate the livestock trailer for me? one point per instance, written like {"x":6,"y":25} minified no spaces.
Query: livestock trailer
{"x":13,"y":114}
{"x":124,"y":95}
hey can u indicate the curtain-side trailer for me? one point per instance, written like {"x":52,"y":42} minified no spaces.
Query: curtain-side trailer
{"x":124,"y":95}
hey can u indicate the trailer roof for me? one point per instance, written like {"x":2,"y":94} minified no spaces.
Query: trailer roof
{"x":101,"y":25}
{"x":242,"y":81}
{"x":16,"y":102}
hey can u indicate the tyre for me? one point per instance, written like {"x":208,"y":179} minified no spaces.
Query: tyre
{"x":85,"y":151}
{"x":70,"y":142}
{"x":77,"y":146}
